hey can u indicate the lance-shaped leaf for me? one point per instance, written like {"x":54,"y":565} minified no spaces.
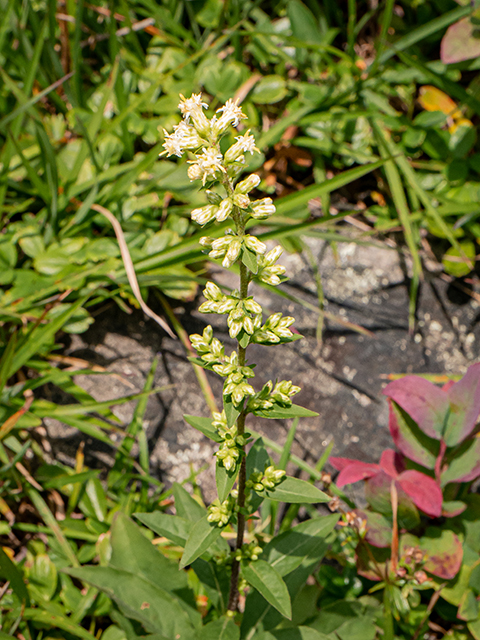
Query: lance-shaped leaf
{"x":288,"y":550}
{"x":294,"y":490}
{"x":352,"y":470}
{"x":464,"y":398}
{"x":155,"y":608}
{"x":204,"y":425}
{"x":147,"y":561}
{"x":222,"y":629}
{"x":427,"y":404}
{"x":202,"y":535}
{"x":411,"y":440}
{"x":464,"y":465}
{"x":186,"y":506}
{"x":174,"y":528}
{"x":269,"y":583}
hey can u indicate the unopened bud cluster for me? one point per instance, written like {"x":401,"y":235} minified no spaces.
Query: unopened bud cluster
{"x":219,"y":513}
{"x":269,"y":479}
{"x":231,"y":445}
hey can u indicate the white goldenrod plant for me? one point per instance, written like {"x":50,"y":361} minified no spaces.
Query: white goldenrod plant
{"x":243,"y":481}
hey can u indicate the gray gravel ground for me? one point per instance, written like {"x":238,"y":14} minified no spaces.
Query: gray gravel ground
{"x":341,"y":379}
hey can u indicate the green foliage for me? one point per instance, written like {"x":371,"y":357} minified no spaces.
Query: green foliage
{"x":85,"y":100}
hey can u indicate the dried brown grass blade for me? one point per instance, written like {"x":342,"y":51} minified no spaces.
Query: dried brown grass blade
{"x":130,"y":269}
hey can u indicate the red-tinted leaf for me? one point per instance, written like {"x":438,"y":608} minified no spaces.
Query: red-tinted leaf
{"x":411,"y":441}
{"x":425,"y":403}
{"x":453,"y":508}
{"x":352,"y":470}
{"x":464,"y":399}
{"x":379,"y":529}
{"x":377,"y":494}
{"x":465,"y":466}
{"x":391,"y":462}
{"x":444,"y":553}
{"x":459,"y":43}
{"x":423,"y":490}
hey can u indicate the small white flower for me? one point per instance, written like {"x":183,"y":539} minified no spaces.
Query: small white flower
{"x":189,"y":106}
{"x":232,"y":114}
{"x":209,"y":163}
{"x":244,"y":143}
{"x":194,"y":172}
{"x":173,"y":144}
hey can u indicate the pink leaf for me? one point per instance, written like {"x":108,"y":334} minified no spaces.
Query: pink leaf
{"x":391,"y":462}
{"x":423,"y":490}
{"x":464,"y":399}
{"x":425,"y":403}
{"x":412,"y":442}
{"x":459,"y":43}
{"x":353,"y":470}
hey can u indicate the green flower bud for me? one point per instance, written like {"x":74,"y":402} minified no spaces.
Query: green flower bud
{"x":262,"y":208}
{"x":212,"y":197}
{"x":224,"y":210}
{"x":252,"y":306}
{"x":233,"y":252}
{"x":204,"y":214}
{"x":255,"y":245}
{"x":248,"y":184}
{"x":212,"y":292}
{"x":241,"y":200}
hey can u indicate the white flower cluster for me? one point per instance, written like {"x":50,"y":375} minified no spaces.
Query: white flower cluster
{"x":201,"y":136}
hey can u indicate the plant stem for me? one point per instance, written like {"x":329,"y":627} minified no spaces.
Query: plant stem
{"x":242,"y":476}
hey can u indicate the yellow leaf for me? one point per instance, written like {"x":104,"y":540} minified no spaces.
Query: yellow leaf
{"x":462,"y":122}
{"x":432,"y":99}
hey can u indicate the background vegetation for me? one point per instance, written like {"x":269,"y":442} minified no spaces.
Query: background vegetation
{"x":365,"y":113}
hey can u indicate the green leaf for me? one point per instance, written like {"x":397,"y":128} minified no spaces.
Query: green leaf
{"x":53,"y":621}
{"x":146,"y":561}
{"x":186,"y":506}
{"x":155,"y":608}
{"x":9,"y":572}
{"x":294,"y":490}
{"x":231,"y":412}
{"x":174,"y":528}
{"x":305,"y":541}
{"x":270,"y":584}
{"x":303,"y":22}
{"x":222,"y":629}
{"x":459,"y":266}
{"x":279,"y":413}
{"x":269,"y":90}
{"x":257,"y":458}
{"x":299,"y":633}
{"x":225,"y":480}
{"x":249,"y":259}
{"x":201,"y":537}
{"x":204,"y":425}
